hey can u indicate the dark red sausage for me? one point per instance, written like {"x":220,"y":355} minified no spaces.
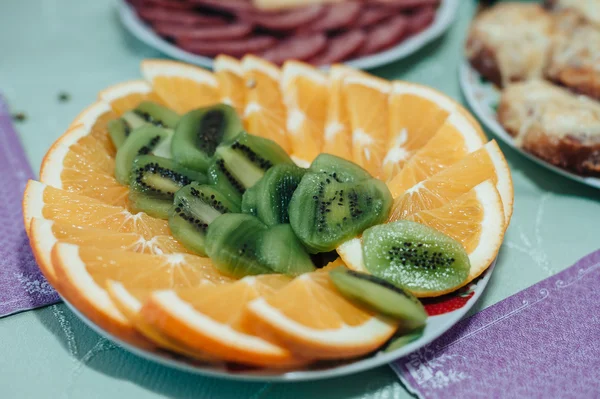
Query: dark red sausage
{"x":420,"y":20}
{"x":224,"y":32}
{"x":296,"y":47}
{"x":340,"y":47}
{"x":407,"y":4}
{"x":156,"y":15}
{"x":385,"y":35}
{"x":232,"y":6}
{"x":234,"y":48}
{"x":336,"y":16}
{"x":283,"y":20}
{"x":165,"y":4}
{"x":370,"y":16}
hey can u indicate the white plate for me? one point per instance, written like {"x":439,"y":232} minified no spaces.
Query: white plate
{"x":436,"y":326}
{"x":483,"y":98}
{"x":444,"y":17}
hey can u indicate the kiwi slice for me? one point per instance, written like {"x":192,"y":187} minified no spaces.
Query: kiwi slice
{"x":270,"y":197}
{"x":324,"y":213}
{"x":155,"y":180}
{"x":232,"y":243}
{"x":403,"y":339}
{"x":281,"y":251}
{"x":380,"y":296}
{"x":415,"y":257}
{"x":199,"y":133}
{"x":241,"y":163}
{"x":142,"y":141}
{"x":195,"y":206}
{"x":339,"y":169}
{"x":119,"y":129}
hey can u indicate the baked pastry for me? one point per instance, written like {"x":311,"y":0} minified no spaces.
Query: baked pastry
{"x":554,"y":124}
{"x":588,"y":9}
{"x":509,"y":42}
{"x":574,"y":59}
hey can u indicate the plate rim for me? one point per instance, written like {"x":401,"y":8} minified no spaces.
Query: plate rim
{"x":378,"y":360}
{"x":445,"y":15}
{"x":465,"y":70}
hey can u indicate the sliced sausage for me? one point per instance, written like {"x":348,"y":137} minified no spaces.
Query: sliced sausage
{"x":340,"y":47}
{"x":155,"y":15}
{"x":407,"y":4}
{"x":420,"y":20}
{"x":232,"y":6}
{"x":370,"y":16}
{"x":335,"y":16}
{"x":234,"y":48}
{"x":296,"y":47}
{"x":385,"y":35}
{"x":165,"y":4}
{"x":223,"y":32}
{"x":283,"y":20}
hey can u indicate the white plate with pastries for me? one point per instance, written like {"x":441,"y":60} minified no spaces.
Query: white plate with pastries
{"x":537,"y":85}
{"x":181,"y":30}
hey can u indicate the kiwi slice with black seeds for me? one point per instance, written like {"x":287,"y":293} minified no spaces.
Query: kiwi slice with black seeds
{"x":142,"y":141}
{"x":380,"y":296}
{"x":157,"y":115}
{"x":232,"y":243}
{"x":155,"y":180}
{"x":324,"y":213}
{"x":415,"y":257}
{"x":119,"y":129}
{"x":199,"y":133}
{"x":195,"y":206}
{"x":339,"y":169}
{"x":281,"y":251}
{"x":241,"y":163}
{"x":270,"y":197}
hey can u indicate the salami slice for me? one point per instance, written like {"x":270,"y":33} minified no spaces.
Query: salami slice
{"x":385,"y":35}
{"x":407,"y":4}
{"x":232,"y":6}
{"x":234,"y":48}
{"x":296,"y":47}
{"x":335,"y":16}
{"x":420,"y":20}
{"x":340,"y":47}
{"x":284,"y":20}
{"x":155,"y":15}
{"x":370,"y":16}
{"x":223,"y":32}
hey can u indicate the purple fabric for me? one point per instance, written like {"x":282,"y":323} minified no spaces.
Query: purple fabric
{"x":543,"y":342}
{"x":22,"y":285}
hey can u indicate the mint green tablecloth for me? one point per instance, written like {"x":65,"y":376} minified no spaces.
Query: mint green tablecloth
{"x":49,"y":46}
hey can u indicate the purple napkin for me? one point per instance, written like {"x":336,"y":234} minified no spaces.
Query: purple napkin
{"x":543,"y":342}
{"x":22,"y":285}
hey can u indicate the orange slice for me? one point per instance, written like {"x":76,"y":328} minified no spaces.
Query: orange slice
{"x":95,"y":120}
{"x":487,"y":163}
{"x":313,"y":319}
{"x":83,"y":272}
{"x":79,"y":163}
{"x":455,"y":138}
{"x":265,"y":114}
{"x":416,"y":114}
{"x":476,"y":220}
{"x":207,"y":319}
{"x":367,"y":107}
{"x":44,"y":202}
{"x":125,"y":96}
{"x":182,"y":87}
{"x":230,"y":75}
{"x":304,"y":90}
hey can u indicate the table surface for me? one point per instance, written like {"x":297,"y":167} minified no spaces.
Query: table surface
{"x":79,"y":47}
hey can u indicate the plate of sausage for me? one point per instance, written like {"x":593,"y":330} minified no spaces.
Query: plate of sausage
{"x":361,"y":33}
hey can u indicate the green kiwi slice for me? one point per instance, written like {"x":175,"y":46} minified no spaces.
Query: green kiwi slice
{"x":241,"y":163}
{"x":195,"y":206}
{"x":119,"y":129}
{"x":402,"y":339}
{"x":144,"y":140}
{"x":415,"y":257}
{"x":232,"y":243}
{"x":155,"y":180}
{"x":339,"y":169}
{"x":324,"y":213}
{"x":380,"y":296}
{"x":270,"y":197}
{"x":281,"y":251}
{"x":199,"y":133}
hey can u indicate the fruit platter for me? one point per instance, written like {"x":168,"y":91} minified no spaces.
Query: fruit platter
{"x":270,"y":223}
{"x":363,"y":34}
